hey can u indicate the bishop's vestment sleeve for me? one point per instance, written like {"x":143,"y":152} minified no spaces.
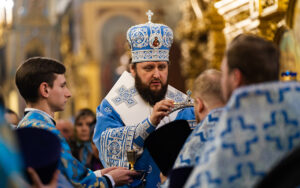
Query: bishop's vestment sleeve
{"x":113,"y":138}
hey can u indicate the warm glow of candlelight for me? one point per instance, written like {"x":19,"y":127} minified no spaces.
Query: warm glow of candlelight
{"x":6,"y":12}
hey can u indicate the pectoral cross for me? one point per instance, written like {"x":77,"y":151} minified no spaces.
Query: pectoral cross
{"x":149,"y":14}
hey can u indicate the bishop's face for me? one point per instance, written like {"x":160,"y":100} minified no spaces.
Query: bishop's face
{"x":151,"y":80}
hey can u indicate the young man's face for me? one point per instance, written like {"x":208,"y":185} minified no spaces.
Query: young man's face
{"x":151,"y":80}
{"x":58,"y":93}
{"x":226,"y":81}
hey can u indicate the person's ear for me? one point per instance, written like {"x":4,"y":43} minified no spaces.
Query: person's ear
{"x":199,"y":106}
{"x":132,"y":70}
{"x":44,"y":89}
{"x":237,"y":78}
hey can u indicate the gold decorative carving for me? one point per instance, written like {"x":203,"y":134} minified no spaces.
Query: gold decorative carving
{"x":203,"y":42}
{"x":269,"y":7}
{"x":268,"y":3}
{"x":82,"y":73}
{"x":261,"y":17}
{"x":291,"y":12}
{"x":267,"y":29}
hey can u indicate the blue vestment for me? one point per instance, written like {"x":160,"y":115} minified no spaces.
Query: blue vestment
{"x":70,"y":167}
{"x":123,"y":124}
{"x":11,"y":163}
{"x":193,"y":147}
{"x":259,"y":125}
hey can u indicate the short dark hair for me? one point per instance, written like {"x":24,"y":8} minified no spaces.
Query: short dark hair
{"x":257,"y":58}
{"x":35,"y":71}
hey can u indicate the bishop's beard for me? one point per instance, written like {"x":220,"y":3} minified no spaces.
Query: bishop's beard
{"x":147,"y":94}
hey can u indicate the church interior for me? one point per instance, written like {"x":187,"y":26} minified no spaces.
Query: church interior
{"x":89,"y":38}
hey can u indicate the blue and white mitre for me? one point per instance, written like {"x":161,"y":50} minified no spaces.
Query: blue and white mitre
{"x":150,"y":41}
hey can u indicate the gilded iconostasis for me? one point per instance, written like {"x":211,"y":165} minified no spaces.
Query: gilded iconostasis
{"x":89,"y":37}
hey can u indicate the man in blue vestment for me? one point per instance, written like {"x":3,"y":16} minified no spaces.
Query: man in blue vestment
{"x":208,"y":103}
{"x":41,"y":82}
{"x":139,"y":102}
{"x":260,"y":123}
{"x":12,"y":161}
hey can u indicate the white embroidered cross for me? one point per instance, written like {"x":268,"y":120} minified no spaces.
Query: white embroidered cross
{"x":125,"y":95}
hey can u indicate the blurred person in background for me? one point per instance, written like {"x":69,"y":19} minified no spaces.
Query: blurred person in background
{"x":81,"y":145}
{"x":66,"y":128}
{"x":11,"y":162}
{"x":11,"y":117}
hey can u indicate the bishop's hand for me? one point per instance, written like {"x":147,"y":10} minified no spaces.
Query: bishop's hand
{"x":160,"y":110}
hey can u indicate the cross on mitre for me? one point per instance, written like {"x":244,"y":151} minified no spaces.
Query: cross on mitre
{"x":149,"y":14}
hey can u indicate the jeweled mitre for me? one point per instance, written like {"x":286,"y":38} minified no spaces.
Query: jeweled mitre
{"x":150,"y":41}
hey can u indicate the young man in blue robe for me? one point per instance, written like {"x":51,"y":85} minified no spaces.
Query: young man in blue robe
{"x":12,"y":160}
{"x":41,"y":82}
{"x":260,"y":123}
{"x":139,"y":102}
